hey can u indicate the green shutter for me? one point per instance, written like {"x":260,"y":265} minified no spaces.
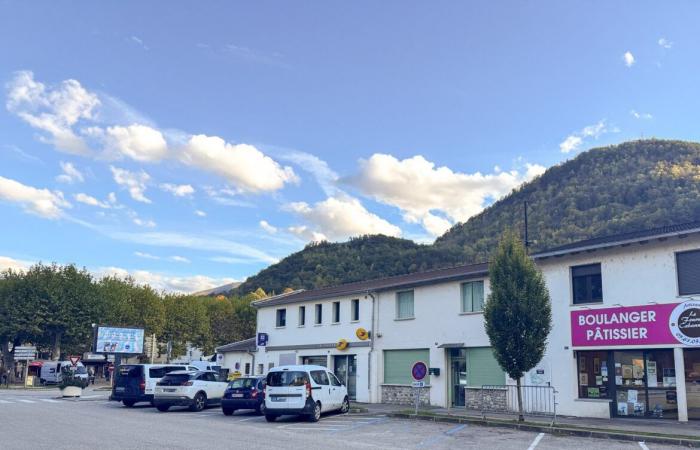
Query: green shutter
{"x":482,"y":368}
{"x":398,"y":363}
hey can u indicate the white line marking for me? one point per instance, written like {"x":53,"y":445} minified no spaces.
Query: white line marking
{"x":248,"y":418}
{"x":26,"y":401}
{"x":537,"y":441}
{"x":644,"y":446}
{"x":49,"y":400}
{"x":5,"y":402}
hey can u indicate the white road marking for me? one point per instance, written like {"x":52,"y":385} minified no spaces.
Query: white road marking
{"x":26,"y":401}
{"x":643,"y":446}
{"x":49,"y":400}
{"x":248,"y":418}
{"x":5,"y":402}
{"x":537,"y":441}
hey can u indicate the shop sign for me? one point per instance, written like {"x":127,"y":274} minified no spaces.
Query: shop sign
{"x":654,"y":324}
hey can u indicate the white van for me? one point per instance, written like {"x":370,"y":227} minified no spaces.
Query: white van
{"x":51,"y":371}
{"x":303,"y":390}
{"x":206,"y":365}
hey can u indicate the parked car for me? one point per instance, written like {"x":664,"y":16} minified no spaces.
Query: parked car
{"x":51,"y":372}
{"x":134,"y":383}
{"x":195,"y":389}
{"x":303,"y":390}
{"x":244,"y":393}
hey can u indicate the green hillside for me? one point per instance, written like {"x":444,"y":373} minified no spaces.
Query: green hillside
{"x":631,"y":186}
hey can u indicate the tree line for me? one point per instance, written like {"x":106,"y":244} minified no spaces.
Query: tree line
{"x":54,"y":307}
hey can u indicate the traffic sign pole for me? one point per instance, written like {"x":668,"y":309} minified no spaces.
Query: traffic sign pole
{"x":418,"y":371}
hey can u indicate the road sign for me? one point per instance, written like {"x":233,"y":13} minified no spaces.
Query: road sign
{"x":25,"y":353}
{"x":74,"y":360}
{"x":262,"y":339}
{"x":419,"y":370}
{"x":418,"y":384}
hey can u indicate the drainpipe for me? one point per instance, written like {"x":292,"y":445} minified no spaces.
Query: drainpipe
{"x":371,"y":347}
{"x":252,"y":365}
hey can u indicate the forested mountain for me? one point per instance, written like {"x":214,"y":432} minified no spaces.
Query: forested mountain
{"x":631,"y":186}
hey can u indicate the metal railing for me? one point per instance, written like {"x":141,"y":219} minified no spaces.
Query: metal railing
{"x":503,"y":399}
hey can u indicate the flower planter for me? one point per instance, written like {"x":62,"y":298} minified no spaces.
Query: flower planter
{"x":71,"y":391}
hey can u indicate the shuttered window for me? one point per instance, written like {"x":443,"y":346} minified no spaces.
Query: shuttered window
{"x":688,"y":270}
{"x":404,"y":305}
{"x":398,"y":364}
{"x":482,"y":368}
{"x":473,"y":296}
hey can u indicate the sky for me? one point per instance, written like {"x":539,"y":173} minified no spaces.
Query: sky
{"x":192,"y":144}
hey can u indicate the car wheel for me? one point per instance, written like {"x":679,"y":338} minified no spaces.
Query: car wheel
{"x":262,"y":409}
{"x":200,"y":401}
{"x":228,"y":411}
{"x":345,"y":407}
{"x":163,"y":408}
{"x":129,"y":403}
{"x":270,"y":417}
{"x":315,"y":416}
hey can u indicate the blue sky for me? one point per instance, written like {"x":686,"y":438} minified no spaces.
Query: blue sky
{"x":194,"y":144}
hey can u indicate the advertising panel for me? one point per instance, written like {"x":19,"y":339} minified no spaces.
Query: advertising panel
{"x":652,"y":324}
{"x":119,"y":340}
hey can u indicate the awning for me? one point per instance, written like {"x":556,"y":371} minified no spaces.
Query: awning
{"x":36,"y":363}
{"x":452,"y":345}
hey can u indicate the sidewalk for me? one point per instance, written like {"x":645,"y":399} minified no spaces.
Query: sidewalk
{"x":666,"y":431}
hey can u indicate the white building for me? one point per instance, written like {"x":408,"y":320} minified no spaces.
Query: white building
{"x":237,"y":358}
{"x":618,"y":346}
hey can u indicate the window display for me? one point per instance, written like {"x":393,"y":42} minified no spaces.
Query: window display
{"x":593,"y":374}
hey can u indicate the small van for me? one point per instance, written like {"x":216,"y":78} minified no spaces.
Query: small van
{"x":134,"y":383}
{"x":51,"y":372}
{"x":303,"y":390}
{"x":206,"y":365}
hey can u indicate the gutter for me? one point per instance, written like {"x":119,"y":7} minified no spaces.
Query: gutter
{"x":372,"y":336}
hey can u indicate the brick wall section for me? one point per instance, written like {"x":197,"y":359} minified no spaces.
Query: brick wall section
{"x":488,"y":400}
{"x":396,"y":394}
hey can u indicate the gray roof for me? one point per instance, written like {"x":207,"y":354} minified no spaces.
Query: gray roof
{"x":246,"y":345}
{"x":382,"y":284}
{"x":677,"y":230}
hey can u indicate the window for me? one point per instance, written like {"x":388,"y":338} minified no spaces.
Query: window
{"x":247,"y":368}
{"x":592,"y":369}
{"x":404,"y":305}
{"x":319,"y":314}
{"x":319,"y":377}
{"x":334,"y":380}
{"x":355,"y":310}
{"x":587,"y":284}
{"x":302,"y":316}
{"x":279,"y":379}
{"x":688,"y":271}
{"x":261,"y":369}
{"x":473,"y":296}
{"x":281,"y":317}
{"x":398,"y":363}
{"x":270,"y":366}
{"x":336,"y":312}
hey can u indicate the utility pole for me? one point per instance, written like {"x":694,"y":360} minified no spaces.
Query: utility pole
{"x":527,"y":241}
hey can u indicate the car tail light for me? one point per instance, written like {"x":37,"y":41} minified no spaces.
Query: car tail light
{"x":254,"y":393}
{"x":308,"y":389}
{"x":187,"y":383}
{"x":142,"y":385}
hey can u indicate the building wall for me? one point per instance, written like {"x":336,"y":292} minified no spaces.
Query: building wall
{"x":229,"y":360}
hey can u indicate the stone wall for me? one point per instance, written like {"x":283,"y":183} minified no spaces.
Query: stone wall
{"x":489,"y":400}
{"x":401,"y":394}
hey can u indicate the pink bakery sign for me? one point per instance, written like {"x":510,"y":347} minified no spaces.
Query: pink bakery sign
{"x":653,"y":324}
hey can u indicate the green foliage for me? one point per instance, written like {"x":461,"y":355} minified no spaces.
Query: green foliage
{"x":518,"y":313}
{"x":68,"y":378}
{"x":632,"y":186}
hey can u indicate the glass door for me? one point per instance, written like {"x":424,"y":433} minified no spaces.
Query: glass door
{"x":458,"y":375}
{"x":345,"y":368}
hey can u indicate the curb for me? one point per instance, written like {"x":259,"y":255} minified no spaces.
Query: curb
{"x":621,"y":435}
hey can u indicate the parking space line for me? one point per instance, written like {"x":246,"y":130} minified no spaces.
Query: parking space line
{"x":454,"y":430}
{"x":49,"y":400}
{"x":26,"y":401}
{"x":643,"y":446}
{"x":537,"y":441}
{"x":5,"y":402}
{"x":364,"y":424}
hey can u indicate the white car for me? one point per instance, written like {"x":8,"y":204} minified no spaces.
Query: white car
{"x":303,"y":390}
{"x":194,"y":389}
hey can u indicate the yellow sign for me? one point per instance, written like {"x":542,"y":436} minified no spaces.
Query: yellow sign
{"x":233,"y":375}
{"x":342,"y":344}
{"x":362,"y":334}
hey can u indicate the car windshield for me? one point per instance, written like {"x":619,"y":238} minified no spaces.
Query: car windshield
{"x":81,"y":370}
{"x":174,"y":380}
{"x":277,"y":379}
{"x":242,"y":383}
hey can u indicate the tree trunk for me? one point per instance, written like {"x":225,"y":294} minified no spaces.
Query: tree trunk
{"x":56,"y":355}
{"x":8,"y":361}
{"x":521,"y":418}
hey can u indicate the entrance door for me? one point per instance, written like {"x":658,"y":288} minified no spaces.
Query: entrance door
{"x":458,"y":375}
{"x":345,"y":368}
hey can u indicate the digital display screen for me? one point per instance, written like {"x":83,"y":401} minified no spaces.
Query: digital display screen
{"x":119,"y":340}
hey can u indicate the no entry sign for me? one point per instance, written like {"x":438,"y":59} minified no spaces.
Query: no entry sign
{"x":419,"y":370}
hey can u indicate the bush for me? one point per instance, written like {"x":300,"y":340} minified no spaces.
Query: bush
{"x":68,"y":378}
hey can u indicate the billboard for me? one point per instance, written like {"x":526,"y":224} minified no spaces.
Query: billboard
{"x":119,"y":340}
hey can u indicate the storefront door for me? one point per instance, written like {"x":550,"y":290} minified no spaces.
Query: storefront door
{"x":458,"y":375}
{"x":345,"y":368}
{"x":691,"y":357}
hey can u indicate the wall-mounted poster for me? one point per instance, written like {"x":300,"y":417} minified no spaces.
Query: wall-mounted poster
{"x":652,"y":377}
{"x":593,"y":392}
{"x":632,"y":396}
{"x":618,"y":380}
{"x":627,"y":371}
{"x":604,"y":369}
{"x":671,"y":398}
{"x":618,"y":369}
{"x":638,"y":369}
{"x":622,"y":409}
{"x":669,"y":378}
{"x":583,"y":379}
{"x":596,"y":365}
{"x":598,"y":380}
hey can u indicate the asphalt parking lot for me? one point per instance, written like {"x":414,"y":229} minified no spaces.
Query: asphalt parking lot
{"x":37,"y":420}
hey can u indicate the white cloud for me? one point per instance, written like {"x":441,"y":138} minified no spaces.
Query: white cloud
{"x":178,"y":190}
{"x":41,"y":202}
{"x":52,"y":110}
{"x":92,"y":201}
{"x":228,"y":260}
{"x":70,"y":174}
{"x":138,"y":41}
{"x":16,"y":265}
{"x":160,"y":281}
{"x":628,"y":59}
{"x":138,"y":142}
{"x":575,"y":140}
{"x":243,"y":165}
{"x":420,"y":189}
{"x":338,"y":218}
{"x":180,"y":259}
{"x":665,"y":43}
{"x":144,"y":223}
{"x":638,"y":115}
{"x":200,"y":213}
{"x":146,"y":255}
{"x":134,"y":182}
{"x":226,"y":196}
{"x":267,"y":227}
{"x":325,"y":176}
